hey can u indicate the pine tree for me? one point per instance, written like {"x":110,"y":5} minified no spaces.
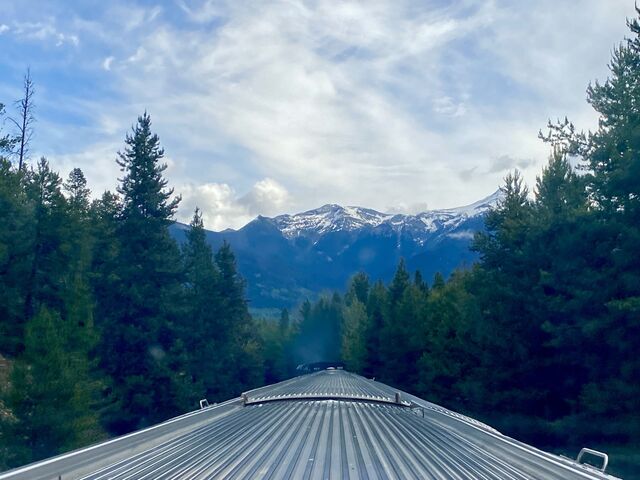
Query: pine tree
{"x":319,"y":336}
{"x":419,"y":282}
{"x":355,"y":323}
{"x":438,"y":281}
{"x":204,"y":334}
{"x":16,"y":256}
{"x":79,"y":194}
{"x":401,"y":330}
{"x":376,"y":307}
{"x":136,"y":352}
{"x":41,"y":390}
{"x":504,"y":286}
{"x":104,"y":214}
{"x":353,"y":335}
{"x":242,"y":349}
{"x":285,"y":322}
{"x":51,"y":249}
{"x":607,"y":302}
{"x":358,"y":288}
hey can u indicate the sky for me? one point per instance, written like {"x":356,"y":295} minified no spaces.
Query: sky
{"x":269,"y":107}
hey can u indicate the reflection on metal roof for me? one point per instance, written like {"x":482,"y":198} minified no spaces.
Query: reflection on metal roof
{"x":317,"y":439}
{"x":328,"y":425}
{"x":325,"y":384}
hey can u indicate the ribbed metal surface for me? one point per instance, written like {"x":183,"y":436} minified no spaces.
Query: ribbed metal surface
{"x":326,"y":384}
{"x":327,"y":425}
{"x":317,"y":440}
{"x":342,"y":384}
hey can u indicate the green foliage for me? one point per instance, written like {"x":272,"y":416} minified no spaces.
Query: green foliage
{"x":319,"y":332}
{"x":218,"y":331}
{"x":50,"y":381}
{"x":16,"y":256}
{"x":541,"y":337}
{"x":143,"y":307}
{"x":354,"y":328}
{"x":51,"y":332}
{"x":277,"y":347}
{"x":107,"y":325}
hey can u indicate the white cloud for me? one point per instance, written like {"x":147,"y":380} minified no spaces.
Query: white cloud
{"x":388,"y":102}
{"x":45,"y":31}
{"x":222,"y":207}
{"x":97,"y":163}
{"x":267,"y":197}
{"x":447,"y":106}
{"x":106,"y":64}
{"x":203,"y":13}
{"x":411,"y":208}
{"x":4,"y":28}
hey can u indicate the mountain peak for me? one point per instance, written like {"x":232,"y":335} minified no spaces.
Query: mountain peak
{"x":290,"y":257}
{"x":333,"y":217}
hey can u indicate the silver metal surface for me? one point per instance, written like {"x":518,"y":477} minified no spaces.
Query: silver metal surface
{"x":328,"y":425}
{"x":317,"y":439}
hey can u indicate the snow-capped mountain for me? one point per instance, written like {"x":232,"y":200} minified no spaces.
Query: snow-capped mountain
{"x":291,"y":257}
{"x":333,"y":218}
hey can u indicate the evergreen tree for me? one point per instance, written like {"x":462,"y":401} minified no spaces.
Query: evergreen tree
{"x":355,"y":323}
{"x":243,"y":349}
{"x":105,"y":216}
{"x":504,"y":285}
{"x":376,"y":307}
{"x":51,"y":247}
{"x":79,"y":194}
{"x":141,"y":320}
{"x":438,"y":281}
{"x":419,"y":282}
{"x":276,"y":348}
{"x":204,"y":336}
{"x":319,"y":336}
{"x":284,"y":322}
{"x":608,"y":303}
{"x":16,"y":256}
{"x":52,"y":374}
{"x":402,"y":330}
{"x":353,"y":342}
{"x":358,"y":288}
{"x":45,"y":368}
{"x":449,"y":368}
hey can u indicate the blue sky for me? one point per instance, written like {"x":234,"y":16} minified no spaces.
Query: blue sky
{"x":267,"y":107}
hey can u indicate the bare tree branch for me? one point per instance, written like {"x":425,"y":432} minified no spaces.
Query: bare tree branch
{"x":25,"y":120}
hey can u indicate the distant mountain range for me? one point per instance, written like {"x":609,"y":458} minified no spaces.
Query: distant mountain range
{"x":289,"y":257}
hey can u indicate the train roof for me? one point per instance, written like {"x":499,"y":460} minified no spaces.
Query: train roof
{"x":331,"y":424}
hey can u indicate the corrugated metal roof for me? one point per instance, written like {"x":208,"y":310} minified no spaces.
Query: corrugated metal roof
{"x":317,"y":439}
{"x":330,"y":425}
{"x":338,"y":384}
{"x":327,"y":384}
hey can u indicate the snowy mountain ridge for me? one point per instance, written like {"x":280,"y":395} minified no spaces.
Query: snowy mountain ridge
{"x":332,"y":218}
{"x":288,"y":258}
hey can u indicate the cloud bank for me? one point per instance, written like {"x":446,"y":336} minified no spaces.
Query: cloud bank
{"x":274,"y":106}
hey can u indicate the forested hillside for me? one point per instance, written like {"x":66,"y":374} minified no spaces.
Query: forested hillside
{"x":303,"y":255}
{"x":107,"y":326}
{"x":541,"y":338}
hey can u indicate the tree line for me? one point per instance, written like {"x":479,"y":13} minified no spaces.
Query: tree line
{"x":541,"y":337}
{"x":106,"y":324}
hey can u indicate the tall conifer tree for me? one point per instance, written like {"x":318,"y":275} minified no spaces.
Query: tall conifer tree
{"x":139,"y":332}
